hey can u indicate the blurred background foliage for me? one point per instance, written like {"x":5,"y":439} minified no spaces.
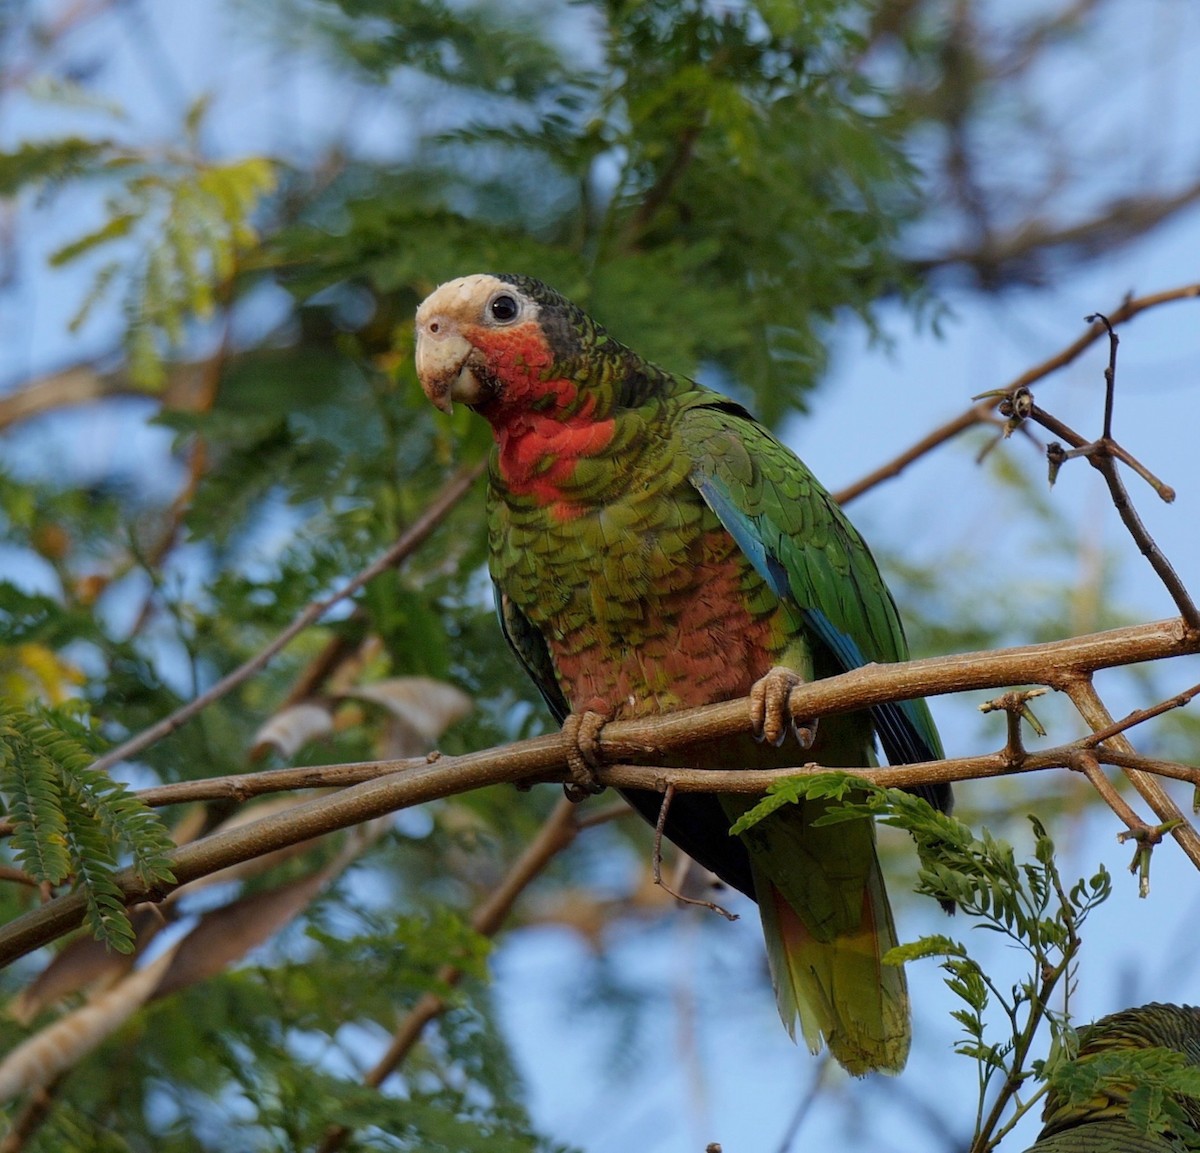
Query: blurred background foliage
{"x":726,"y":186}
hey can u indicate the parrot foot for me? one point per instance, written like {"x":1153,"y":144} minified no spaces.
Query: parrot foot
{"x":770,"y":717}
{"x":582,"y":731}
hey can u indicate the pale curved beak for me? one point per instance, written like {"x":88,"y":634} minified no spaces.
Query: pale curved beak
{"x":441,"y":361}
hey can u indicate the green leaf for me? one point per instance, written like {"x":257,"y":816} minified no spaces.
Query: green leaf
{"x":69,"y":819}
{"x":40,"y":162}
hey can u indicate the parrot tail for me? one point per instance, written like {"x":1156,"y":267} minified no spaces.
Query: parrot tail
{"x":840,"y":988}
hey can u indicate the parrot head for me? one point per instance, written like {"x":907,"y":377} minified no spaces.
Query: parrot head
{"x":494,"y":342}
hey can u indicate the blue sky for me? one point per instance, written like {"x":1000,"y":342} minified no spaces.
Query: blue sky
{"x":711,"y":1062}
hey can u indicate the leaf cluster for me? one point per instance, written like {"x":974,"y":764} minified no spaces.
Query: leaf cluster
{"x":711,"y":184}
{"x":1156,"y":1089}
{"x":71,"y":822}
{"x":1025,"y":901}
{"x":187,"y":219}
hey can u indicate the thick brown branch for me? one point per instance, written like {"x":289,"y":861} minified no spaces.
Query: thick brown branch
{"x":1060,"y":664}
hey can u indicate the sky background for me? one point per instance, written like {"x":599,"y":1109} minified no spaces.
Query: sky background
{"x":708,"y":1060}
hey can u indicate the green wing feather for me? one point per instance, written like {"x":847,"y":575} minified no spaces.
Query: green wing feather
{"x":802,"y":545}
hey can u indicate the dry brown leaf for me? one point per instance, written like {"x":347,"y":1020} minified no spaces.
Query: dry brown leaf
{"x":84,"y":963}
{"x":420,"y":709}
{"x":292,"y":728}
{"x":40,"y":1059}
{"x":227,"y":934}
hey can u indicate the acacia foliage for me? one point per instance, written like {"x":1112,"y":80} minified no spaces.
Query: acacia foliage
{"x":715,"y":183}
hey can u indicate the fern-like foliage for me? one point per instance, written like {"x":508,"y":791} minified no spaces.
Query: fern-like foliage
{"x":70,"y":821}
{"x":1026,"y":901}
{"x":190,"y":217}
{"x":1157,"y":1090}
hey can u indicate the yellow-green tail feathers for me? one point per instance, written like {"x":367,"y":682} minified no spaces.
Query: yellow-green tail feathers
{"x":842,"y":993}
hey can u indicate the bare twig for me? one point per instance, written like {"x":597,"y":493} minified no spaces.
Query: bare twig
{"x":1086,"y":763}
{"x":1102,"y":455}
{"x":976,"y":414}
{"x":1138,"y":716}
{"x":1017,"y":710}
{"x":421,"y":528}
{"x":1145,"y":836}
{"x":983,"y":413}
{"x":557,"y":832}
{"x":659,"y":826}
{"x":1085,"y":698}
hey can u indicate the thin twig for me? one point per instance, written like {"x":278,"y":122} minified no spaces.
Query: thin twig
{"x":1110,"y":372}
{"x":1093,"y":710}
{"x":1017,"y":711}
{"x":976,"y":414}
{"x":1139,"y":716}
{"x":1100,"y":456}
{"x":421,"y":528}
{"x":1103,"y":455}
{"x":1087,"y":764}
{"x":983,"y":413}
{"x":1144,"y":836}
{"x":659,"y":826}
{"x":557,"y":832}
{"x":1127,"y":310}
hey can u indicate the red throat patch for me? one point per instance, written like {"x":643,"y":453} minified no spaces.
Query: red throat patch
{"x":541,"y":431}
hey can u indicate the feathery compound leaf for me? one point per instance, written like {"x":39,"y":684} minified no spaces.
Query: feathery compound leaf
{"x":29,"y":781}
{"x":1026,"y":901}
{"x":196,"y":219}
{"x":48,"y":161}
{"x":71,"y":820}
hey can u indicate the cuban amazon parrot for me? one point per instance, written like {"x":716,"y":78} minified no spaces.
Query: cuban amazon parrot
{"x":1101,"y":1124}
{"x":654,"y":548}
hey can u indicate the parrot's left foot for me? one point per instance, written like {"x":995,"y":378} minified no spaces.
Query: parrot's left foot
{"x":582,"y":731}
{"x":770,"y":717}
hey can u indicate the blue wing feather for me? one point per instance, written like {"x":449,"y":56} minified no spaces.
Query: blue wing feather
{"x":812,"y":577}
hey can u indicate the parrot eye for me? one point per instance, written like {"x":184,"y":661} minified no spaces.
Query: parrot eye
{"x":503,"y":308}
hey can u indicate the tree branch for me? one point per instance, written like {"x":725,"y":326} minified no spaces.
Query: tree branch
{"x":983,"y":413}
{"x":1093,"y":710}
{"x":1060,"y":664}
{"x":558,"y":831}
{"x":451,"y":493}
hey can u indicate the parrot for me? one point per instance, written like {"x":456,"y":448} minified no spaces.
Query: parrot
{"x":652,"y":547}
{"x":1102,"y":1126}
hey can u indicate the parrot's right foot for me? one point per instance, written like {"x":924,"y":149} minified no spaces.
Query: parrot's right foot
{"x":582,"y":731}
{"x":770,"y":717}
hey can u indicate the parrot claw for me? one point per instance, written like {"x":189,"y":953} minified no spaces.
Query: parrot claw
{"x":582,"y":731}
{"x":770,"y":717}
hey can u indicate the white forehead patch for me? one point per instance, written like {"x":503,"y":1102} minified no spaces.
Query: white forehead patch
{"x":464,"y":295}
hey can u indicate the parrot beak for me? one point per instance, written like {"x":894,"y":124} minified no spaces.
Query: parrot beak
{"x":442,"y":368}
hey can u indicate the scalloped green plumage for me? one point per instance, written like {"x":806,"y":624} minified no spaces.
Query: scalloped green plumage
{"x":653,"y":547}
